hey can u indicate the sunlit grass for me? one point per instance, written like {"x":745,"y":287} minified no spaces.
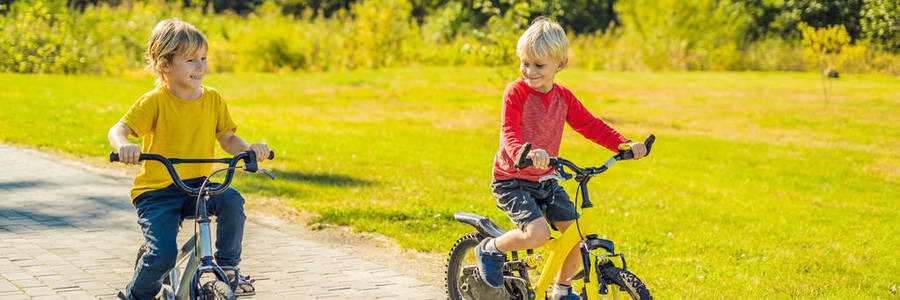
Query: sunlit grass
{"x":756,"y":187}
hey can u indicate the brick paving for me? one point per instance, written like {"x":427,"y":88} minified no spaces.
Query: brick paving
{"x":69,"y":233}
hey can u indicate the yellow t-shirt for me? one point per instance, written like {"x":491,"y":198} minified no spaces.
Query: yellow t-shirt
{"x":176,"y":128}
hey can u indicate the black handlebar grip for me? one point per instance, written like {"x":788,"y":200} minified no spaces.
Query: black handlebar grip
{"x":649,"y":143}
{"x":522,"y":160}
{"x":113,"y":157}
{"x":271,"y":154}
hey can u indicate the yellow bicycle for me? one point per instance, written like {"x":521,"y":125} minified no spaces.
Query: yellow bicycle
{"x":600,"y":276}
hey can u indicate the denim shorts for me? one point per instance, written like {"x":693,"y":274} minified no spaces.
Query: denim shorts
{"x":521,"y":200}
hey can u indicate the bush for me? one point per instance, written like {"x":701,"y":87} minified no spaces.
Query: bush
{"x":48,"y":37}
{"x":37,"y":38}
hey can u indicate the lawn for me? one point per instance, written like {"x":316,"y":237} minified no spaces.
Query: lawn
{"x":756,"y":188}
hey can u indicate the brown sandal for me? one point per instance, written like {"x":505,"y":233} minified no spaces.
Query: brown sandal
{"x":243,"y":282}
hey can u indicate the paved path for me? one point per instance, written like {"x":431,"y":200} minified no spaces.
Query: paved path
{"x":68,"y":233}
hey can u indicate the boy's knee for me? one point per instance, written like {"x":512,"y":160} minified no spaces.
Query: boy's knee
{"x":231,"y":199}
{"x":537,"y":232}
{"x":562,"y":225}
{"x":162,"y":259}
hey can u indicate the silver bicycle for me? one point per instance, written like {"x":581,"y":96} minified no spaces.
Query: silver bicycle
{"x":199,"y":259}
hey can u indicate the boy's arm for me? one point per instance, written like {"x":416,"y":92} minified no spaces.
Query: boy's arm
{"x":511,"y":123}
{"x":511,"y":131}
{"x":591,"y":127}
{"x":234,"y":144}
{"x":118,"y":138}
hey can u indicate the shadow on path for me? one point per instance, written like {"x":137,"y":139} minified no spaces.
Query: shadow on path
{"x":83,"y":212}
{"x":26,"y":184}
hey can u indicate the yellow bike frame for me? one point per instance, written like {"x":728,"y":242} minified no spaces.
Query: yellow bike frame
{"x":559,"y":249}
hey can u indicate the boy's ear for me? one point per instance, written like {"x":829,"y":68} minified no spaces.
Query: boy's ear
{"x":563,"y":64}
{"x":163,"y":65}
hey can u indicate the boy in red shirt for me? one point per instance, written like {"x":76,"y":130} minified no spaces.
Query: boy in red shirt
{"x":534,"y":110}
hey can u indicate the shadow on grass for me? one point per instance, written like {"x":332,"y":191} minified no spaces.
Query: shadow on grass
{"x":290,"y":183}
{"x":323,"y":179}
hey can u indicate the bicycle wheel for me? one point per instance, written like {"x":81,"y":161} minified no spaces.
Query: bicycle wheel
{"x":626,"y":284}
{"x":461,"y":255}
{"x":217,"y":290}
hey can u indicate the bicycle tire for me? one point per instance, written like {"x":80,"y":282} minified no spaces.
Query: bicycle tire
{"x":216,"y":290}
{"x":627,"y":281}
{"x":463,"y":246}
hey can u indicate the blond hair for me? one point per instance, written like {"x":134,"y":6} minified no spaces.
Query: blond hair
{"x":168,"y":38}
{"x":543,"y":39}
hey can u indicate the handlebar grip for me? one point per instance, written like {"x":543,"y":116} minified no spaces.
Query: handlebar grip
{"x":114,"y":157}
{"x":625,"y":151}
{"x":528,"y":163}
{"x":522,"y":160}
{"x":272,"y":154}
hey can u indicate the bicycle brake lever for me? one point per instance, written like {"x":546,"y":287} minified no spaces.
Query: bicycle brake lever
{"x":272,"y":176}
{"x":552,"y":177}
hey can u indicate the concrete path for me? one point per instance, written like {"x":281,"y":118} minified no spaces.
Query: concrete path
{"x":69,"y":233}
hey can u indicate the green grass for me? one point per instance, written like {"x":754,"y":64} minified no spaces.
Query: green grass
{"x":756,"y":187}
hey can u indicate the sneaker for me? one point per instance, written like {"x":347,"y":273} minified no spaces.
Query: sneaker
{"x":490,"y":265}
{"x":569,"y":295}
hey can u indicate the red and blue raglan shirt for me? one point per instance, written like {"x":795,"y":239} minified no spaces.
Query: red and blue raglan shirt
{"x":531,"y":116}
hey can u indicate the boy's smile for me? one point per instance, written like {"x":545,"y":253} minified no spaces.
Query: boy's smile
{"x":185,"y":74}
{"x":539,"y":73}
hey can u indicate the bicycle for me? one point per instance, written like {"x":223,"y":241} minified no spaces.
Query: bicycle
{"x":200,"y":259}
{"x":599,"y":275}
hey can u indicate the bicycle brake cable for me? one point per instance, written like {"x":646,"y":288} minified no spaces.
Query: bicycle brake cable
{"x":577,"y":223}
{"x":578,"y":227}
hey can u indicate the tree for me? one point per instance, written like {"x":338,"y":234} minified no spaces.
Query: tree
{"x":881,"y":23}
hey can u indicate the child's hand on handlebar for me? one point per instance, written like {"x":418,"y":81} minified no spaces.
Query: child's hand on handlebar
{"x":539,"y":159}
{"x":129,"y":153}
{"x":261,"y":150}
{"x":639,"y":149}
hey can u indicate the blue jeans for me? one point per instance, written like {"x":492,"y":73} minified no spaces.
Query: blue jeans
{"x":161,"y":211}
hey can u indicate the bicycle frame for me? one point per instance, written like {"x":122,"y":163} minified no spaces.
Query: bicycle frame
{"x":559,"y":248}
{"x":199,"y":260}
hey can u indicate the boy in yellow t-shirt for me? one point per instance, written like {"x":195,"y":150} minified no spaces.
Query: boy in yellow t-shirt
{"x":179,"y":118}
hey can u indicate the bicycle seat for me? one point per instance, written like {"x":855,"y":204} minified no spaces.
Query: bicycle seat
{"x":484,"y":225}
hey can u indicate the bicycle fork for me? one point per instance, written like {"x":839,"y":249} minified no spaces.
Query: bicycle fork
{"x":201,"y":259}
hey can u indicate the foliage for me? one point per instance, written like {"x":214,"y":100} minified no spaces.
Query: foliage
{"x":32,"y":45}
{"x":672,"y":37}
{"x":881,"y":23}
{"x":824,"y":45}
{"x":51,"y":37}
{"x":383,"y":34}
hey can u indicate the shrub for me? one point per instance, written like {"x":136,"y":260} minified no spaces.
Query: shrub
{"x":47,"y":37}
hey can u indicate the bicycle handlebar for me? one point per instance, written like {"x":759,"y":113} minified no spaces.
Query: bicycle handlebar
{"x":625,"y":152}
{"x":582,"y":174}
{"x":249,"y":158}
